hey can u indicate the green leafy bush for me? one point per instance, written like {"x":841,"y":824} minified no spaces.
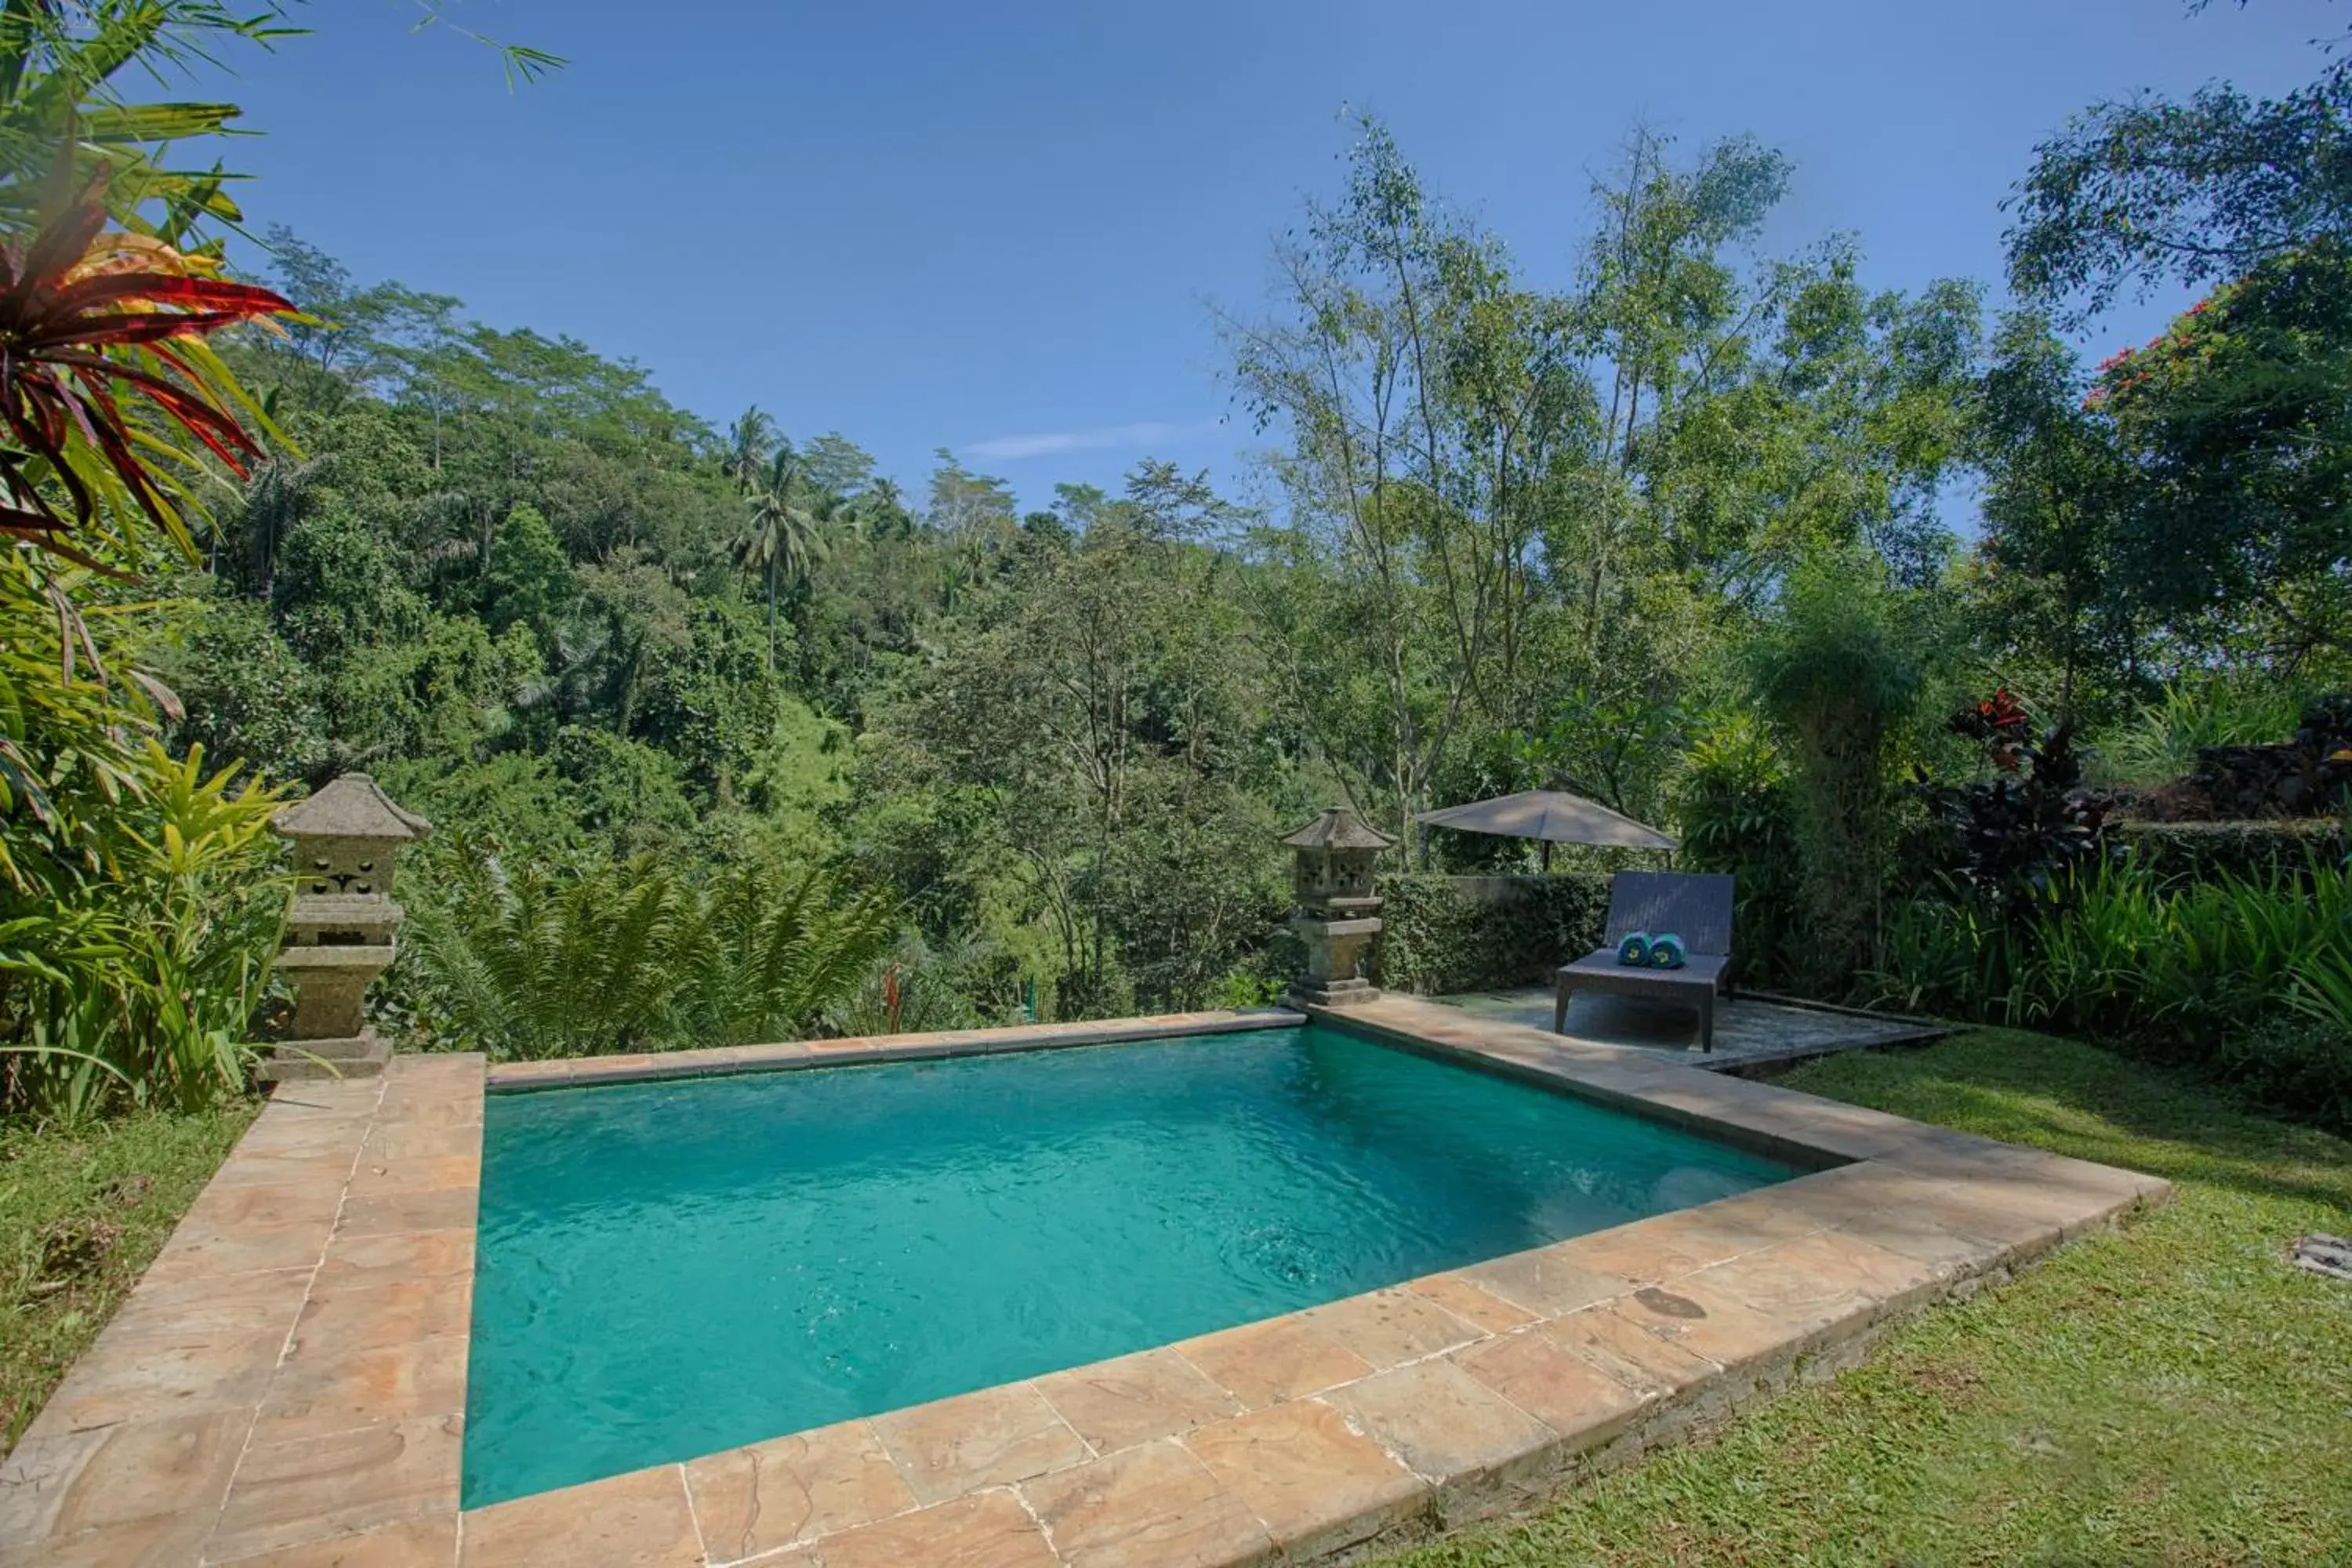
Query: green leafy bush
{"x":1736,"y":815}
{"x":620,"y":955}
{"x":1840,"y":670}
{"x":140,"y":912}
{"x":2207,"y":851}
{"x":1438,"y":937}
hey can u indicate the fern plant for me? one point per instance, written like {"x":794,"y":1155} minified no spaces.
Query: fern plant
{"x":622,"y":955}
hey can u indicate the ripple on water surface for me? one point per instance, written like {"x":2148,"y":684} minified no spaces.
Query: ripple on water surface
{"x":669,"y":1268}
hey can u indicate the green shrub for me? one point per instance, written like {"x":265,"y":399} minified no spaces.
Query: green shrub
{"x":2207,"y":851}
{"x":2300,"y":1065}
{"x":1840,"y":670}
{"x":1737,"y":815}
{"x":619,"y":956}
{"x":1439,"y":939}
{"x":2247,"y":978}
{"x":140,"y":911}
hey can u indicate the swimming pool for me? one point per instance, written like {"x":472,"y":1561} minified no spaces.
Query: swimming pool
{"x":669,"y":1268}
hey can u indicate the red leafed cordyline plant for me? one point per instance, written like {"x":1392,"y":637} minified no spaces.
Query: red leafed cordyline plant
{"x":92,"y":321}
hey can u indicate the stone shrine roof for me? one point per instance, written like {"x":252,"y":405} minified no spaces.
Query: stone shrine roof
{"x":351,"y":806}
{"x":1339,"y":829}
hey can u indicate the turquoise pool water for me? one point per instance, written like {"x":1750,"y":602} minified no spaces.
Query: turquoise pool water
{"x":669,"y":1268}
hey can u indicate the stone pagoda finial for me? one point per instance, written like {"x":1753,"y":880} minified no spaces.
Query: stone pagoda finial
{"x":1331,"y":878}
{"x":340,"y":929}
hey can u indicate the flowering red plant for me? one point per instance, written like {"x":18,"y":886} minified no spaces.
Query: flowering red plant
{"x":2001,"y":722}
{"x":89,"y":321}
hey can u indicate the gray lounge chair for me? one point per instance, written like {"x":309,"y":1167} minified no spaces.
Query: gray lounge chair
{"x":1695,"y":907}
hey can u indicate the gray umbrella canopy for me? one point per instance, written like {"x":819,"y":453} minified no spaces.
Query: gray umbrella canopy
{"x":1551,"y":815}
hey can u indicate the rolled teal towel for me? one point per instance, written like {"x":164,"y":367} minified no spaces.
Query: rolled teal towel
{"x":1666,"y":951}
{"x":1635,"y":948}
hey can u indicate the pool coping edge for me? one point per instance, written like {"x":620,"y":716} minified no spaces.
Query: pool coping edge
{"x":226,"y":1415}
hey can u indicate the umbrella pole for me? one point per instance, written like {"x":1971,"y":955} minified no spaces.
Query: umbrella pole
{"x":1547,"y":856}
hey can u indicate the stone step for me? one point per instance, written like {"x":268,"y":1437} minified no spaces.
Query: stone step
{"x":361,"y":1057}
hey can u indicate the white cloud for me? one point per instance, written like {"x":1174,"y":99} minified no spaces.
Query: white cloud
{"x":1049,"y":443}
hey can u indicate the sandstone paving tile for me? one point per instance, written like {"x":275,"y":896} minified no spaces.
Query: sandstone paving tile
{"x":593,"y":1069}
{"x":534,"y":1073}
{"x":1851,"y":1190}
{"x":409,"y":1067}
{"x":317,"y":1486}
{"x":1117,"y":1404}
{"x":1655,"y":1251}
{"x":1613,"y":1341}
{"x":435,"y":1208}
{"x":1387,"y":1328}
{"x":395,"y":1255}
{"x":986,"y":1529}
{"x":325,"y":1167}
{"x":393,"y":1141}
{"x":754,"y":1499}
{"x":259,"y":1302}
{"x":1931,"y":1235}
{"x":1708,"y":1324}
{"x":164,"y":1540}
{"x":316,"y":1395}
{"x":245,"y":1250}
{"x":1815,"y":1272}
{"x":146,"y":1377}
{"x":1568,"y":1393}
{"x":760,"y":1055}
{"x":640,"y":1520}
{"x":1481,"y":1309}
{"x":1265,"y":1362}
{"x":119,"y":1474}
{"x":378,"y":1174}
{"x":1549,"y":1280}
{"x":433,"y":1107}
{"x":992,"y":1438}
{"x":356,"y":1315}
{"x":224,"y":1207}
{"x":428,"y":1542}
{"x":1152,"y":1505}
{"x":1445,"y":1423}
{"x":38,"y":1473}
{"x":1316,"y":1484}
{"x":284,"y":1129}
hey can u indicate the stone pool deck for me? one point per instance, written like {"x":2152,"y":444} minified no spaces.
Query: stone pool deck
{"x":286,"y":1386}
{"x":1751,"y":1031}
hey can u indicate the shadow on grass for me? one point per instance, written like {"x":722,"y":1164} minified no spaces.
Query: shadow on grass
{"x":2083,"y":1100}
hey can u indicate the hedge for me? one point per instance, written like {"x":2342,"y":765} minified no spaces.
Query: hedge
{"x":2203,"y":851}
{"x":1446,"y":934}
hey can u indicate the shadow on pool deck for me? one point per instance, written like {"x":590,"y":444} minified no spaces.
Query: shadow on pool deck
{"x":1748,"y":1032}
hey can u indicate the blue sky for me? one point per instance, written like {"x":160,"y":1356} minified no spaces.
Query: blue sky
{"x":1000,"y":228}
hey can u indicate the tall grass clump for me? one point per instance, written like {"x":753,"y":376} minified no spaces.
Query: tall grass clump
{"x":2161,"y":740}
{"x":2247,"y":977}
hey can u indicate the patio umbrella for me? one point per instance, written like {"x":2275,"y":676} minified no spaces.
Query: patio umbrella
{"x":1551,"y":815}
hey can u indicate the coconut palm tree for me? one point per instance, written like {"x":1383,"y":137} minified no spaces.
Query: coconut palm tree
{"x":279,"y":496}
{"x":751,"y":442}
{"x":882,"y":508}
{"x":784,"y":537}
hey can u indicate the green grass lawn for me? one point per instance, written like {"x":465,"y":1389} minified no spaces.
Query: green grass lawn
{"x":2172,"y":1394}
{"x":82,"y":1210}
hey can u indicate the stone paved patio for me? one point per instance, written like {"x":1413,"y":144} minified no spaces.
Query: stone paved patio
{"x":1749,"y":1031}
{"x":286,"y":1386}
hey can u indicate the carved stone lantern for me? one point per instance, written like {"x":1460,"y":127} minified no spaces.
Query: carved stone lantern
{"x":1331,"y":878}
{"x":341,"y":928}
